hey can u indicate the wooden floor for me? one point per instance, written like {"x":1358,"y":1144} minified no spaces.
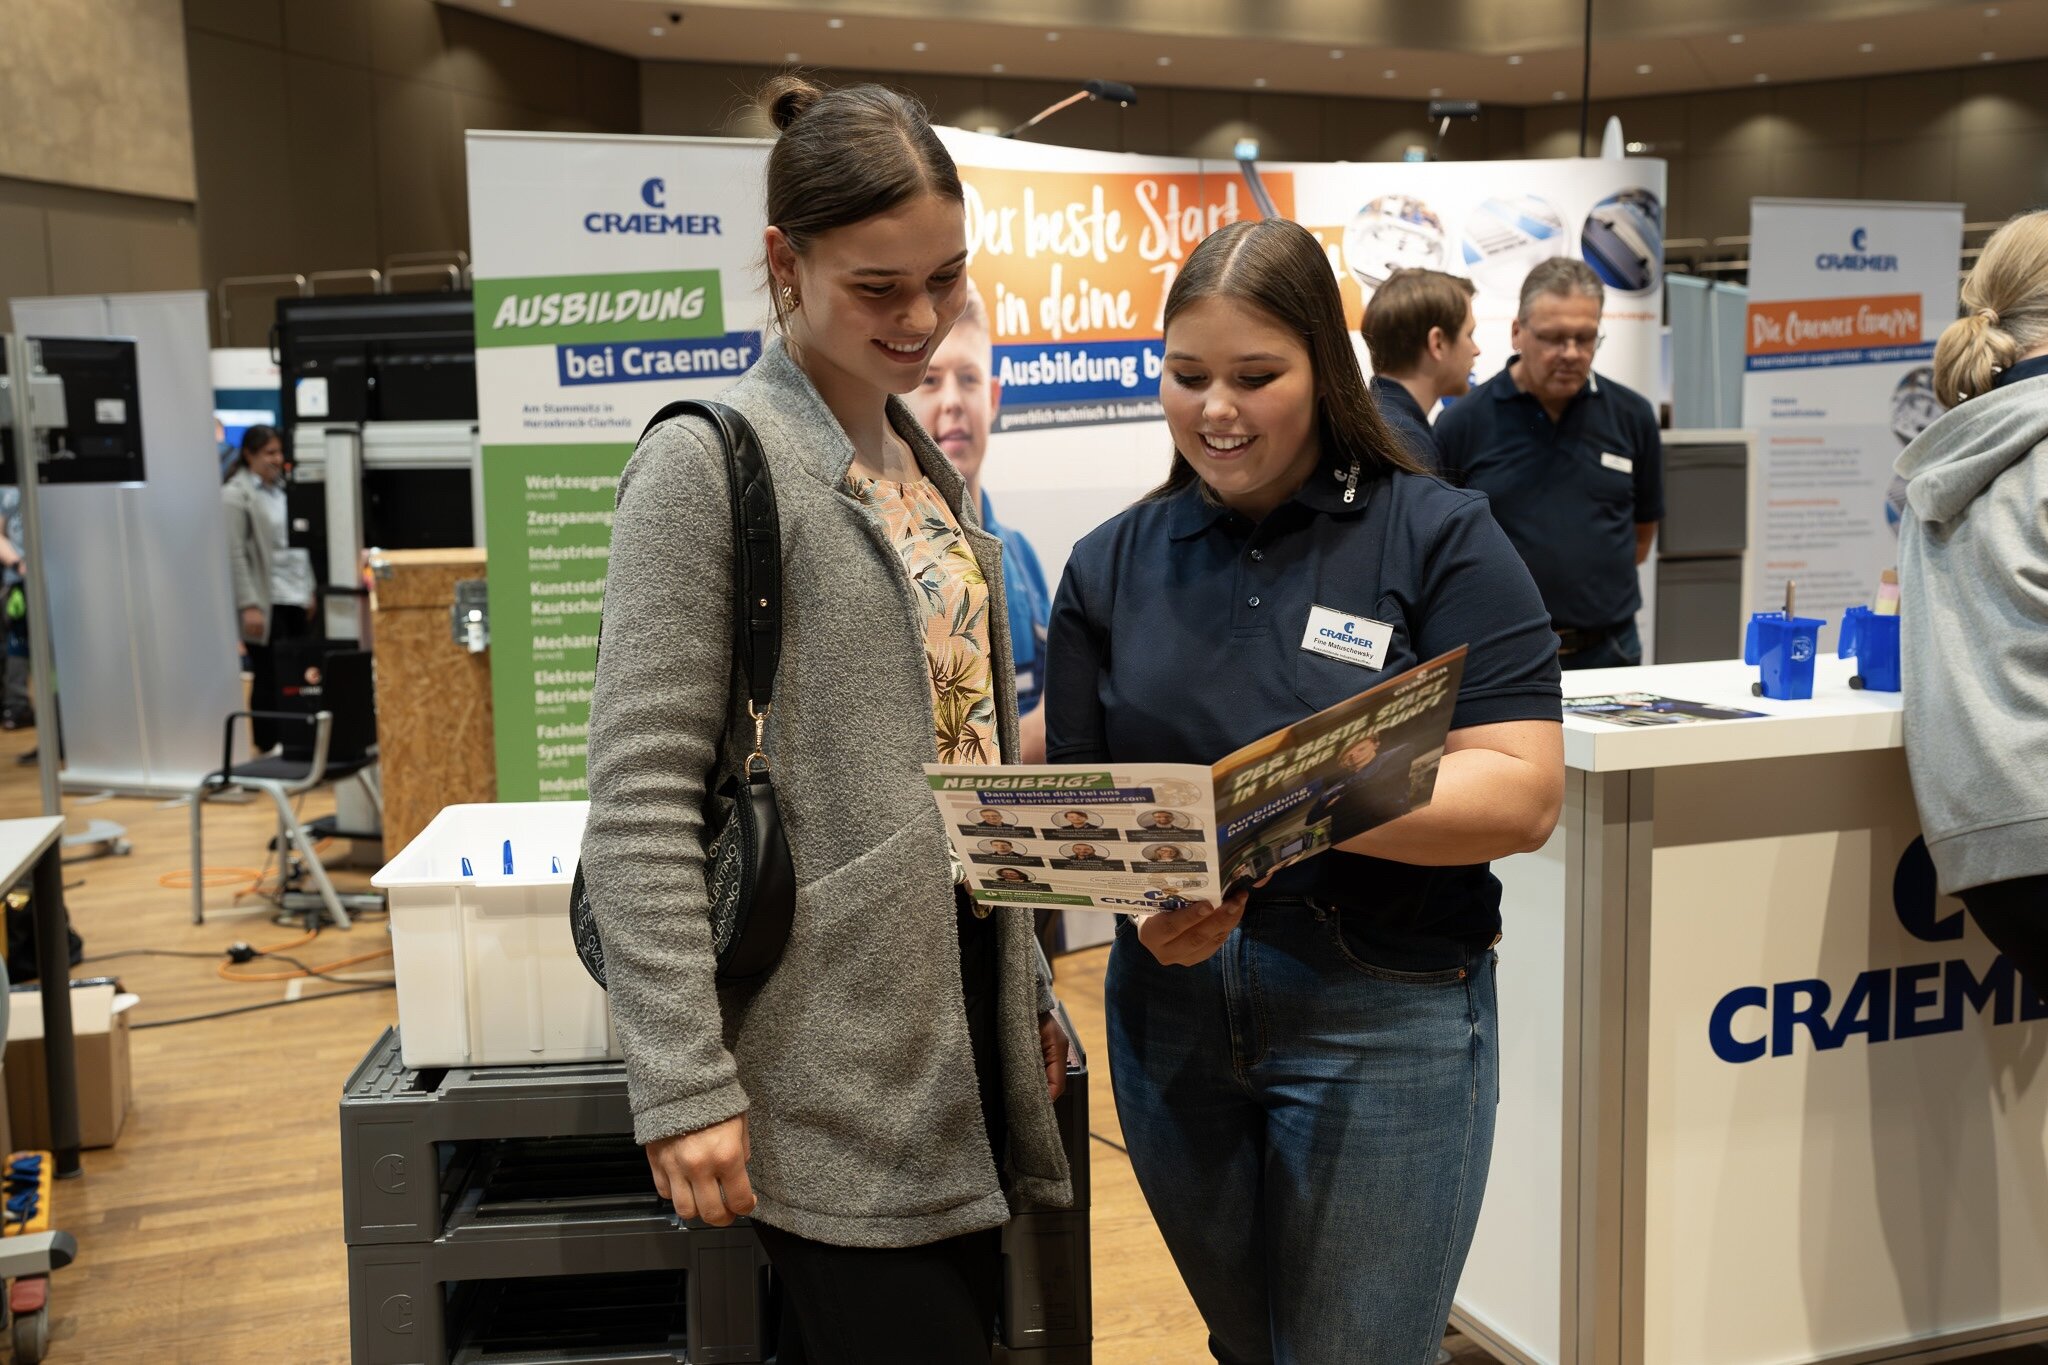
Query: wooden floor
{"x":212,"y":1233}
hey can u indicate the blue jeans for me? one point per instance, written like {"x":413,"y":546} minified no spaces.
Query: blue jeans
{"x":1312,"y":1133}
{"x":1622,"y":649}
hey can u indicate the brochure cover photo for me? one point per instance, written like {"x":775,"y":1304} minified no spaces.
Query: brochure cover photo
{"x":1134,"y":838}
{"x":1647,"y":708}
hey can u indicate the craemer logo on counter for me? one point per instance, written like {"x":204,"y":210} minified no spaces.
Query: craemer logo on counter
{"x":1884,"y":1004}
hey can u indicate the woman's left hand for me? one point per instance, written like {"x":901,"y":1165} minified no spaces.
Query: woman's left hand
{"x":1052,"y":1043}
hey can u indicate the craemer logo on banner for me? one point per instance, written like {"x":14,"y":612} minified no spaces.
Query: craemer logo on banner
{"x":654,"y":194}
{"x":1857,"y":258}
{"x":1884,"y":1004}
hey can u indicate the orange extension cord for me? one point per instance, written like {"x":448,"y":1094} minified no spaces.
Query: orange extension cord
{"x":251,"y":882}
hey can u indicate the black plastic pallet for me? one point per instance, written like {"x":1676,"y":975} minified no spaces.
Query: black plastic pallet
{"x":474,"y":1198}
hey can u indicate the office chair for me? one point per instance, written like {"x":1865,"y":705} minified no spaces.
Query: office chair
{"x":331,"y":734}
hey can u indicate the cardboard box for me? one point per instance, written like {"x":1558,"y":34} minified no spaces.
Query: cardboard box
{"x":100,"y":1044}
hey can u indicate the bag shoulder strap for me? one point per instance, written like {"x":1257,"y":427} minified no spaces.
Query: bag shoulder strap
{"x":757,"y":545}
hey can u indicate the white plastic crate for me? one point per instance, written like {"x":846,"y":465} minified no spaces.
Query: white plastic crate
{"x":487,"y":970}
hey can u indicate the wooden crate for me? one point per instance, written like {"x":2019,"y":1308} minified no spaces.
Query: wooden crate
{"x":433,"y":696}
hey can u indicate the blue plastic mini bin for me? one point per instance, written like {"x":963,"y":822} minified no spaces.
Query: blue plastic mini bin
{"x":1873,"y":642}
{"x":1784,"y":648}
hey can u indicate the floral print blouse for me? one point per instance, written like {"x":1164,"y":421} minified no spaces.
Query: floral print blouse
{"x":948,"y":584}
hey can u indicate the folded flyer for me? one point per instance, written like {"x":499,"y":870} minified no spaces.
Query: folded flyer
{"x":1138,"y":837}
{"x":1647,"y":709}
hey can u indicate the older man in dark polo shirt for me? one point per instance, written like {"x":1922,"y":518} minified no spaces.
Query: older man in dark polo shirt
{"x":1572,"y":463}
{"x":1419,"y":329}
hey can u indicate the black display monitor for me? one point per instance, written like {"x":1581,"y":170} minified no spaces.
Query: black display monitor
{"x":101,"y":440}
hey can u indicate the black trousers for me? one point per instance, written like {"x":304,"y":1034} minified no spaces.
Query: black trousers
{"x":926,"y":1305}
{"x":2014,"y":916}
{"x":286,"y":623}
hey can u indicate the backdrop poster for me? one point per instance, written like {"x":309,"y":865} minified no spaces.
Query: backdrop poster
{"x":613,"y":275}
{"x":1846,"y":300}
{"x":1492,"y":221}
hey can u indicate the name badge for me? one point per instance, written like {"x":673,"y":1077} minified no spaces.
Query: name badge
{"x":1354,"y":639}
{"x":1620,"y":464}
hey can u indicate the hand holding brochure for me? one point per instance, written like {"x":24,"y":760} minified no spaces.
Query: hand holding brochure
{"x":1139,"y":837}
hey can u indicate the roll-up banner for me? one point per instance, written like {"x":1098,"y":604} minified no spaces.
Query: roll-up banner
{"x":615,"y":274}
{"x":1846,"y":300}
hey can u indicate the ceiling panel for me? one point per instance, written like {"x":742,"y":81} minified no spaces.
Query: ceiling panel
{"x":1521,"y":52}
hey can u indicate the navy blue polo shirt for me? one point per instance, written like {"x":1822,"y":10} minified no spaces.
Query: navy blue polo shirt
{"x":1568,"y":493}
{"x":1176,"y":638}
{"x":1406,"y":419}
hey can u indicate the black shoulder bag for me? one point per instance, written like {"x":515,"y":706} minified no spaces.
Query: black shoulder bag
{"x":746,"y":858}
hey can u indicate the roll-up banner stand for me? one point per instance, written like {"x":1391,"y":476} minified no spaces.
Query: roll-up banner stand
{"x":1846,"y":300}
{"x":615,"y":274}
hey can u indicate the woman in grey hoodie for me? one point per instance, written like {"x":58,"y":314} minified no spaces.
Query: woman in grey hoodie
{"x":1973,"y":570}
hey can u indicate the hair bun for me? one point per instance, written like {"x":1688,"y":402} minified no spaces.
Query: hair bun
{"x":787,"y":98}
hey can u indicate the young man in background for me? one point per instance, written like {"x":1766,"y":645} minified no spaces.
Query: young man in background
{"x":1419,"y":331}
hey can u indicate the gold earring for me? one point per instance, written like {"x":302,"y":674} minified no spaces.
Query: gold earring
{"x":789,"y":300}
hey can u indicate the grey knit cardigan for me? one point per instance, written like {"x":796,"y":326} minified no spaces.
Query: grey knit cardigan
{"x":852,"y":1061}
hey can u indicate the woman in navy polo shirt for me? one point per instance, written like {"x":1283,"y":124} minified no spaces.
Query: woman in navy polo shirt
{"x":1307,"y":1075}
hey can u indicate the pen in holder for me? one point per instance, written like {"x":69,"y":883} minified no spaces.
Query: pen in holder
{"x":1872,"y":639}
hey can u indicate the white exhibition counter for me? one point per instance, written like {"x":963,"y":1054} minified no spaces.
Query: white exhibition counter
{"x":1763,"y":1097}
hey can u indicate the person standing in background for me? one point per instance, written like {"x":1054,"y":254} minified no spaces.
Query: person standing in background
{"x":17,"y":710}
{"x":1419,"y":330}
{"x":1973,"y":583}
{"x":957,"y":404}
{"x":1572,"y":462}
{"x":274,"y":587}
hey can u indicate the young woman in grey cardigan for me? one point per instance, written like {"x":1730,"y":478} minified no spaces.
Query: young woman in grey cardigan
{"x":870,"y":1104}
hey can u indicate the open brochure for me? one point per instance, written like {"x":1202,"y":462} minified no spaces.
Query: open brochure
{"x":1138,"y":837}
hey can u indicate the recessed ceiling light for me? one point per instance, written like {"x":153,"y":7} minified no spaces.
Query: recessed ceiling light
{"x":507,"y":4}
{"x":1735,"y":37}
{"x":1166,"y":61}
{"x":919,"y":47}
{"x":835,"y":23}
{"x":1643,"y":70}
{"x":1052,"y":37}
{"x":1991,"y":13}
{"x":1867,"y":47}
{"x":1987,"y":56}
{"x":1336,"y":54}
{"x":656,"y":31}
{"x":1259,"y":81}
{"x":997,"y":68}
{"x":1761,"y":78}
{"x":792,"y":58}
{"x":1388,"y":73}
{"x":1514,"y":61}
{"x":1436,"y":92}
{"x":1557,"y":94}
